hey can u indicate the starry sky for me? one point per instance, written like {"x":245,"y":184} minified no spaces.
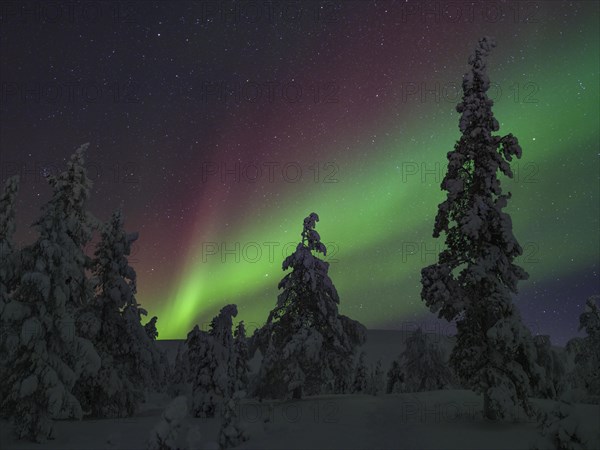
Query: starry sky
{"x":218,"y":126}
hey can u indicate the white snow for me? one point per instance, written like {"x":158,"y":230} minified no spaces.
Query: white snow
{"x":448,"y":419}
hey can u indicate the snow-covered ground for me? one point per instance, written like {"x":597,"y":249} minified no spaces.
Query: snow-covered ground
{"x":428,"y":420}
{"x":448,"y":419}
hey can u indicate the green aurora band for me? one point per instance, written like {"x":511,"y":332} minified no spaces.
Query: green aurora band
{"x":378,"y":219}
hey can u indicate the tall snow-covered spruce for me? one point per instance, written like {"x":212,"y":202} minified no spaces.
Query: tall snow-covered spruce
{"x":9,"y":256}
{"x":475,"y":276}
{"x":72,"y":188}
{"x":44,"y":356}
{"x":240,"y":352}
{"x":307,"y":346}
{"x":9,"y":269}
{"x":130,"y":359}
{"x":552,"y":384}
{"x":587,"y":350}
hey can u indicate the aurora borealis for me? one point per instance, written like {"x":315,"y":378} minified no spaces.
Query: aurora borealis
{"x":169,"y":95}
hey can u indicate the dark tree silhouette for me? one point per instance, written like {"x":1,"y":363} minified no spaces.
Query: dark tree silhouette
{"x":308,"y":348}
{"x":211,"y":363}
{"x":475,"y":276}
{"x":588,"y":358}
{"x":8,"y":253}
{"x":131,"y":361}
{"x":240,"y":351}
{"x":422,"y":364}
{"x":42,"y":356}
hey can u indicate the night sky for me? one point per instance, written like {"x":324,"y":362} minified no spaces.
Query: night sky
{"x":217,"y":127}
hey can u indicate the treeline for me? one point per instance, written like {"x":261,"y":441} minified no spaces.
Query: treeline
{"x":74,"y":343}
{"x":72,"y":339}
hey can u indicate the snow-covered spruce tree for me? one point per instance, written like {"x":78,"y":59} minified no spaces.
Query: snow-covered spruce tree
{"x":165,"y":434}
{"x":9,"y":263}
{"x":44,"y":355}
{"x":150,"y":364}
{"x":422,"y":364}
{"x":473,"y":281}
{"x":9,"y":268}
{"x":130,"y":361}
{"x":552,"y":384}
{"x":376,"y":385}
{"x":211,"y":363}
{"x":587,"y":358}
{"x":573,"y":376}
{"x":180,"y":377}
{"x":564,"y":428}
{"x":307,"y":346}
{"x":395,"y":378}
{"x":72,"y":189}
{"x":231,"y":433}
{"x":221,"y":329}
{"x":360,"y":385}
{"x":240,"y":351}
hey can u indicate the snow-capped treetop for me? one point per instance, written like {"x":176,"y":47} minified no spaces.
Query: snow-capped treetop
{"x":150,"y":328}
{"x":475,"y":82}
{"x":313,"y":269}
{"x":590,"y":319}
{"x":65,"y":227}
{"x":479,"y":236}
{"x":221,"y":325}
{"x":113,"y":275}
{"x":72,"y":190}
{"x":310,"y":237}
